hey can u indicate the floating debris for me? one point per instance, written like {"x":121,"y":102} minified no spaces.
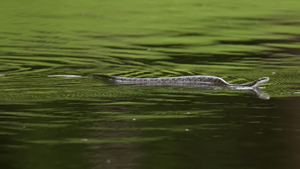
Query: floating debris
{"x":296,"y":92}
{"x":108,"y":161}
{"x":149,"y":49}
{"x":85,"y":139}
{"x":2,"y":74}
{"x":273,"y":73}
{"x":188,"y":113}
{"x":133,"y":119}
{"x":64,"y":76}
{"x":186,"y":129}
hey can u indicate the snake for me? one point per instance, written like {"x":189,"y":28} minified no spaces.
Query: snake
{"x":195,"y":81}
{"x":184,"y":80}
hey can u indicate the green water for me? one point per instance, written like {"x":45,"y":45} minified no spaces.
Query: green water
{"x":83,"y":122}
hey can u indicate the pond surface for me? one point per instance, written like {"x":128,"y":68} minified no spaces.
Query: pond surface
{"x":54,"y":114}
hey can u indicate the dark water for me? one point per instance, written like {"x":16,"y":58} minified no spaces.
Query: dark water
{"x":139,"y":127}
{"x":51,"y":121}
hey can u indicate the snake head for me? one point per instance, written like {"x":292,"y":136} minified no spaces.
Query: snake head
{"x":261,"y":81}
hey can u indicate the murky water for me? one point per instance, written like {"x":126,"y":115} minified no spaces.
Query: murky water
{"x":54,"y":114}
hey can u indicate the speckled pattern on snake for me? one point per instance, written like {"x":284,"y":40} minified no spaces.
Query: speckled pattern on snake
{"x":188,"y":80}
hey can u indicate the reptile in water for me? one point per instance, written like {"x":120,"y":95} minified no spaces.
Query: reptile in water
{"x":188,"y":80}
{"x":196,"y":81}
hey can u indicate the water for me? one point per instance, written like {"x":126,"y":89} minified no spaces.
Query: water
{"x":54,"y":114}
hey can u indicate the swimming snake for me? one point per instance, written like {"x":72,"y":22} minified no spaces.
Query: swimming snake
{"x":195,"y":81}
{"x":188,"y":80}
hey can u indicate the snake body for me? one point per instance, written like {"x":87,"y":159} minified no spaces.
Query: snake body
{"x":183,"y":80}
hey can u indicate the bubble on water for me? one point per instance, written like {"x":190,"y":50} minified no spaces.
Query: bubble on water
{"x":273,"y":73}
{"x":186,"y":129}
{"x":133,"y":119}
{"x":188,"y":113}
{"x":84,"y":139}
{"x":149,"y":49}
{"x":108,"y":161}
{"x":2,"y":74}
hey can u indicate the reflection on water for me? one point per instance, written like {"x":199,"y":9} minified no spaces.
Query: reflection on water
{"x":53,"y":114}
{"x":123,"y":126}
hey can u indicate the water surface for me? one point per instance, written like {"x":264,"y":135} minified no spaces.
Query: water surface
{"x":53,"y":114}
